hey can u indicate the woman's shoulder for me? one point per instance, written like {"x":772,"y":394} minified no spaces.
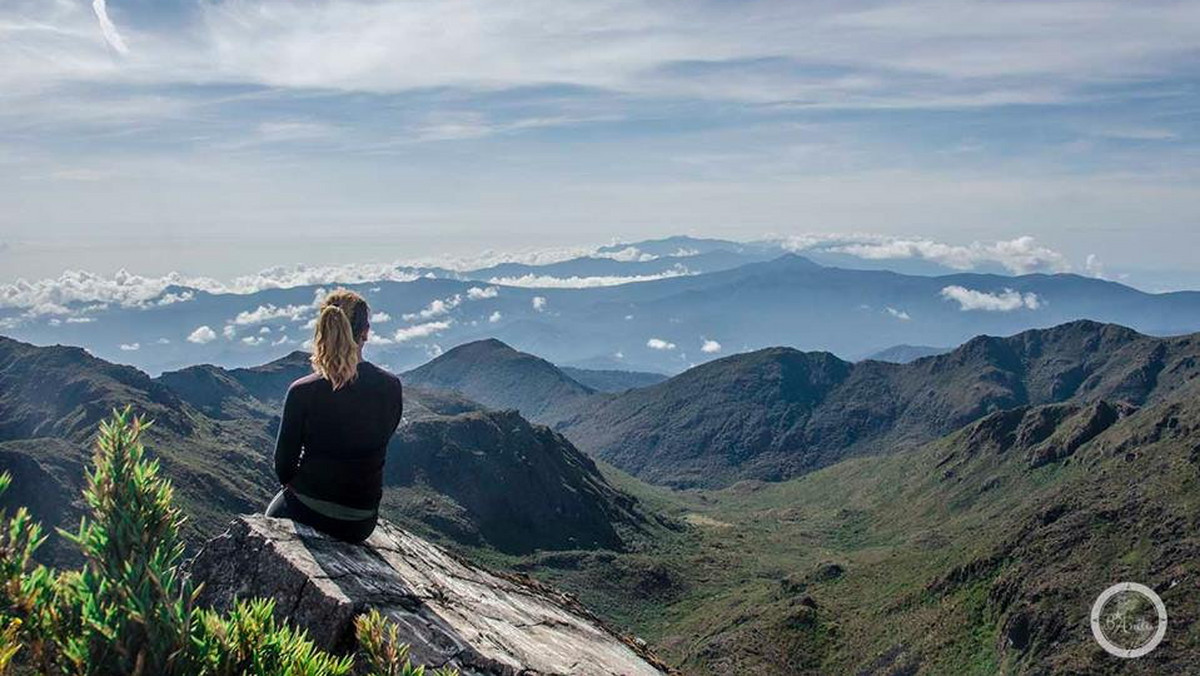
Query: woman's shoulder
{"x":377,"y":372}
{"x":306,"y":383}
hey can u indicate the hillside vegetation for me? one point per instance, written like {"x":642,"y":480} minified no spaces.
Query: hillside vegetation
{"x":978,"y":553}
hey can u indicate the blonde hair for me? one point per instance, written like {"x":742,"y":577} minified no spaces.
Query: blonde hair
{"x":342,"y":323}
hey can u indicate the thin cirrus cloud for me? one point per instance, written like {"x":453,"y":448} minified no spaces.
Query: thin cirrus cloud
{"x":786,"y":95}
{"x":851,"y":53}
{"x":1007,"y":300}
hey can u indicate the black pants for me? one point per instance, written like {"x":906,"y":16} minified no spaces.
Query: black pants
{"x":286,"y":506}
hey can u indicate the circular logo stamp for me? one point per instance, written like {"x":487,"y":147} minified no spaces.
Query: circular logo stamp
{"x":1129,"y":620}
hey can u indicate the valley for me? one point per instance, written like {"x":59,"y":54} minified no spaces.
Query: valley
{"x":964,"y":525}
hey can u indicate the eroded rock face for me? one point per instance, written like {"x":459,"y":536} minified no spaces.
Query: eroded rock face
{"x":451,"y":612}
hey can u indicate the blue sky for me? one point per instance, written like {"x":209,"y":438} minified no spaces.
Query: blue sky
{"x":219,"y":138}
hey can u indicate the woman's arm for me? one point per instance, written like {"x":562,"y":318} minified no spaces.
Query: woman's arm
{"x":287,"y":444}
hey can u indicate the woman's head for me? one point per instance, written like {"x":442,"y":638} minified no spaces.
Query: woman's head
{"x":342,"y":327}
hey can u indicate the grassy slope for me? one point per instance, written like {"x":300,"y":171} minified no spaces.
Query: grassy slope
{"x":983,"y":564}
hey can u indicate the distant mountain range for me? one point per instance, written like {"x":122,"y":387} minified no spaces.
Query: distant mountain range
{"x":659,"y":306}
{"x":778,"y":413}
{"x":902,"y":354}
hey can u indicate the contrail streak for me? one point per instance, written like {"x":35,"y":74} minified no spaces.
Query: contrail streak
{"x":111,"y":35}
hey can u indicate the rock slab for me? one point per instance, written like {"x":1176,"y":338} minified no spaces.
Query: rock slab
{"x":452,"y":613}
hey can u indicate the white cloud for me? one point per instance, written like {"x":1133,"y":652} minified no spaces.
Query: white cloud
{"x":1021,"y":255}
{"x":229,"y":332}
{"x":202,"y":335}
{"x":380,"y":318}
{"x":254,"y":340}
{"x":132,"y":290}
{"x":710,"y":346}
{"x":659,"y":344}
{"x":539,"y":303}
{"x":131,"y":347}
{"x":875,"y":54}
{"x":420,"y":331}
{"x":1005,"y":301}
{"x":163,"y":341}
{"x":628,"y":254}
{"x":898,"y":314}
{"x":477,"y":293}
{"x":436,"y":308}
{"x":495,"y":317}
{"x":265,"y":329}
{"x":550,"y":282}
{"x":282,"y":340}
{"x":172,"y":298}
{"x":80,"y":320}
{"x":270,"y":312}
{"x":375,"y":338}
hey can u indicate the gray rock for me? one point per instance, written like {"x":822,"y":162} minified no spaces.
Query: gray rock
{"x":451,"y":612}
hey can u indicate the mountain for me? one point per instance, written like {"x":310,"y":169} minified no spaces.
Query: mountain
{"x":214,"y":435}
{"x":492,"y":478}
{"x":902,"y":354}
{"x":51,"y":400}
{"x":496,"y":375}
{"x":776,"y":413}
{"x":980,"y":552}
{"x":658,"y":306}
{"x":612,"y":380}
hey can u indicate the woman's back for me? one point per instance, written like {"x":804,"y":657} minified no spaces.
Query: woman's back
{"x":343,"y":434}
{"x":336,"y":426}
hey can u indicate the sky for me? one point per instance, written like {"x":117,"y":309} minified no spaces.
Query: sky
{"x":221,"y":138}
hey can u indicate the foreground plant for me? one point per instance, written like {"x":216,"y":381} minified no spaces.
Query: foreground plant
{"x":385,"y":654}
{"x":130,"y":609}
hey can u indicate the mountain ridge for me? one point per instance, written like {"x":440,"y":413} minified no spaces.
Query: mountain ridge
{"x":215,"y":443}
{"x":778,"y":412}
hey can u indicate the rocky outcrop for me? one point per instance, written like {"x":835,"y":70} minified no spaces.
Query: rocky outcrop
{"x":450,"y":611}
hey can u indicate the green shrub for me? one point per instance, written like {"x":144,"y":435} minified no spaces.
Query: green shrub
{"x":129,"y":609}
{"x":380,"y":645}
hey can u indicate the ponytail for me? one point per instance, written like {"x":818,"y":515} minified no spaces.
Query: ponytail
{"x":342,"y":322}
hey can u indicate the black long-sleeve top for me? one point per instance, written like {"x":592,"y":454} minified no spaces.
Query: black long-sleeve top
{"x":332,"y":445}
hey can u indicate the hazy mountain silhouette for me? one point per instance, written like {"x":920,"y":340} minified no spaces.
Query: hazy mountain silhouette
{"x":612,"y":380}
{"x":744,"y":296}
{"x":902,"y":354}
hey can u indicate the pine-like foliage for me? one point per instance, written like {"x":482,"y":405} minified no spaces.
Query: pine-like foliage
{"x":130,"y":609}
{"x":384,"y":653}
{"x":134,"y":607}
{"x":249,"y":641}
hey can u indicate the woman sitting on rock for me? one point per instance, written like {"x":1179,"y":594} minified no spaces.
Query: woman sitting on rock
{"x":335,"y":430}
